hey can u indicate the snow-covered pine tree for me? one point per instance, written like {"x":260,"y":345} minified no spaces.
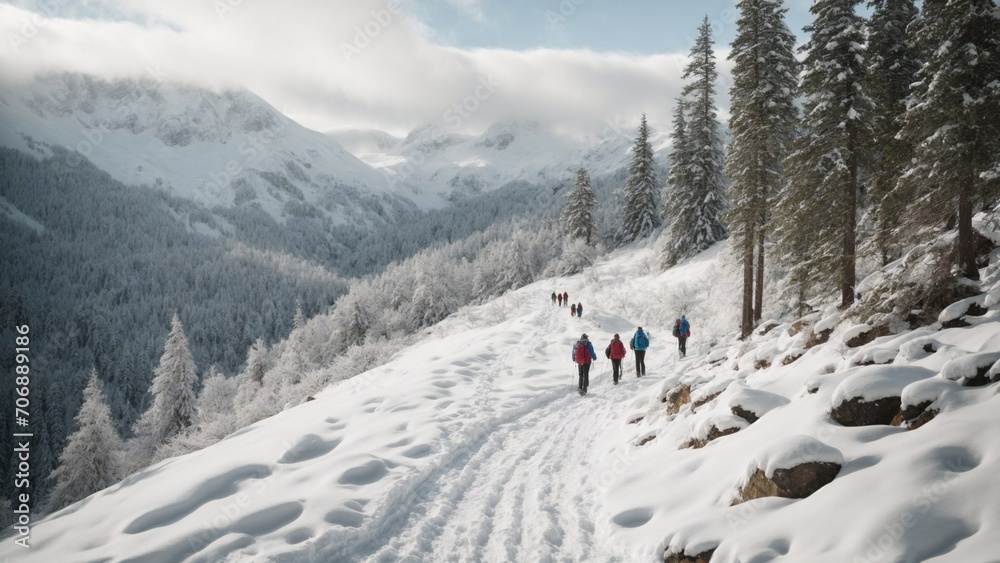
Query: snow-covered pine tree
{"x":893,"y":66}
{"x":953,"y":121}
{"x":762,"y":127}
{"x":257,"y":364}
{"x":89,"y":462}
{"x":216,"y":398}
{"x":815,"y":218}
{"x":173,"y":408}
{"x":677,"y":185}
{"x":695,"y":214}
{"x":642,"y":208}
{"x":578,"y":217}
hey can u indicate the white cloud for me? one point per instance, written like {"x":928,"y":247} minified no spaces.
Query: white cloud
{"x":345,"y":64}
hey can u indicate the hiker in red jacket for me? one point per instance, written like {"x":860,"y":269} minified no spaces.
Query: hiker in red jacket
{"x":565,"y":298}
{"x":572,"y":310}
{"x":583,"y":356}
{"x":616,"y":351}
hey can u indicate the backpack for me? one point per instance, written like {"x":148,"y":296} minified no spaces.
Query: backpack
{"x":641,"y":340}
{"x":677,"y":328}
{"x":607,"y":351}
{"x":580,"y":353}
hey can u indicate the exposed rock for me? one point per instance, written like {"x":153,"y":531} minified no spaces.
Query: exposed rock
{"x":713,"y":433}
{"x":761,"y":364}
{"x":703,"y":557}
{"x":790,"y":358}
{"x":677,"y":398}
{"x":858,"y":412}
{"x":646,"y":440}
{"x":915,"y":416}
{"x":746,"y":415}
{"x":705,"y":400}
{"x":798,"y":482}
{"x":868,"y":336}
{"x":815,"y":339}
{"x":982,"y":378}
{"x":798,"y":326}
{"x":909,"y":412}
{"x":955,"y":323}
{"x":767,"y":327}
{"x":636,"y":420}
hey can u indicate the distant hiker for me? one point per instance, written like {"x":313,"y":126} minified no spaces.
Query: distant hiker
{"x":639,"y":343}
{"x":583,"y":355}
{"x":572,"y":310}
{"x":559,"y":296}
{"x":553,"y":298}
{"x":579,"y":310}
{"x":682,"y":330}
{"x":616,"y":351}
{"x":565,"y":298}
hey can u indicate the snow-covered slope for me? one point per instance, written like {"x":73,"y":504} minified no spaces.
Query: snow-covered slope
{"x":454,"y":165}
{"x":473,"y":445}
{"x":216,"y":148}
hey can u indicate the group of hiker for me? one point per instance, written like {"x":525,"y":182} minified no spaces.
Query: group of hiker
{"x":575,"y":309}
{"x":584,"y":355}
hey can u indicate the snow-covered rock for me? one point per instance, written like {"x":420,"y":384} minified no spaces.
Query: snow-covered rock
{"x":751,"y":404}
{"x":794,"y":467}
{"x":871,"y":395}
{"x":973,"y":306}
{"x":974,"y":369}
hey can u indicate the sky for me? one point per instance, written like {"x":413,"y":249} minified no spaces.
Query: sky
{"x":393,"y":65}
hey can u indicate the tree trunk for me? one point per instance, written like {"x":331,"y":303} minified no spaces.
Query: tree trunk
{"x":758,"y":306}
{"x":746,"y":326}
{"x":848,"y":273}
{"x":966,"y":244}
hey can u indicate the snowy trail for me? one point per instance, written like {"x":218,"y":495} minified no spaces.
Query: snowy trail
{"x":524,"y":491}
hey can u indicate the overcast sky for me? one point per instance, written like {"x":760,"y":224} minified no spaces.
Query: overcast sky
{"x":396,"y":65}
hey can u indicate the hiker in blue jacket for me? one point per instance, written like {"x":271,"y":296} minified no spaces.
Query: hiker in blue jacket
{"x":583,"y":355}
{"x":639,"y":343}
{"x":683,"y":328}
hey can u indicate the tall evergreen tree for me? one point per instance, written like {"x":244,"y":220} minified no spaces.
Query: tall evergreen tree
{"x":953,"y":119}
{"x":678,"y":184}
{"x":174,"y":379}
{"x":578,"y":217}
{"x":695,"y":214}
{"x":89,"y":462}
{"x":815,"y":221}
{"x":642,"y":209}
{"x":762,"y":127}
{"x":893,"y":66}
